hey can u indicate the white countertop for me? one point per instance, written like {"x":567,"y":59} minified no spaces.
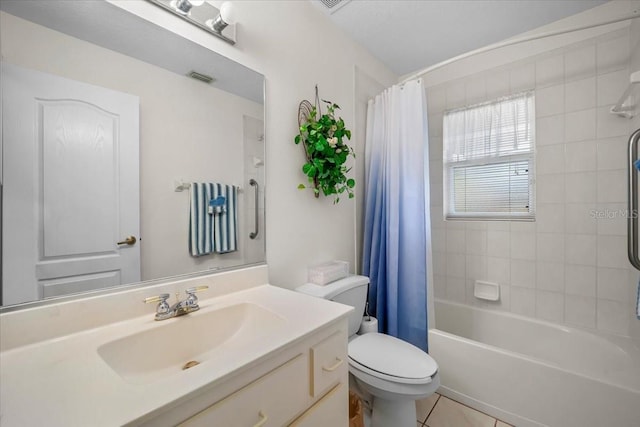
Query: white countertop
{"x":64,"y":382}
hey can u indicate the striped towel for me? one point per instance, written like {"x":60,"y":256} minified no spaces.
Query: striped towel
{"x":225,"y":234}
{"x":212,"y":230}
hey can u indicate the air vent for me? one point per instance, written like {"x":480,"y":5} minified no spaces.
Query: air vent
{"x":334,"y":5}
{"x":201,"y":77}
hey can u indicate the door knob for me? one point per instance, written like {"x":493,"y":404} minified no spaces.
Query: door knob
{"x":128,"y":241}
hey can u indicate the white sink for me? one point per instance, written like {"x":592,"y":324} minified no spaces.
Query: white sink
{"x":198,"y":337}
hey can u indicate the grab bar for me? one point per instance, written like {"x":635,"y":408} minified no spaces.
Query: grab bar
{"x":632,"y":214}
{"x":254,"y":183}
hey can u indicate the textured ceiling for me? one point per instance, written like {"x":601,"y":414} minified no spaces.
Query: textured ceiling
{"x":408,"y":35}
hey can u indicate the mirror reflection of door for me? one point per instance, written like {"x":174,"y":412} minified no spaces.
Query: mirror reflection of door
{"x":70,"y":186}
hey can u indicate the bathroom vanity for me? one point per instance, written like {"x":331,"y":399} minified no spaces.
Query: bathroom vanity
{"x":253,"y":355}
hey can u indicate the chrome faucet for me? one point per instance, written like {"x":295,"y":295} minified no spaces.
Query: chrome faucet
{"x":165,"y":311}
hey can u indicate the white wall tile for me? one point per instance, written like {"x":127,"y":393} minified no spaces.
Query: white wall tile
{"x":612,"y":186}
{"x":550,"y":276}
{"x":456,"y":265}
{"x":612,"y":153}
{"x":523,"y":301}
{"x":499,"y":270}
{"x":550,"y":70}
{"x":612,"y":54}
{"x":550,"y":306}
{"x":550,"y":130}
{"x":436,"y":99}
{"x":616,"y":284}
{"x":580,"y":94}
{"x":550,"y":159}
{"x":498,"y":243}
{"x":580,"y":311}
{"x":613,"y":316}
{"x":580,"y":62}
{"x":476,"y":242}
{"x":522,"y":77}
{"x":456,"y":289}
{"x":580,"y":156}
{"x":610,"y":125}
{"x":439,"y":260}
{"x":580,"y":249}
{"x":476,"y":267}
{"x":611,"y":86}
{"x":550,"y":101}
{"x":456,"y":241}
{"x":612,"y":219}
{"x":455,"y":94}
{"x":580,"y":280}
{"x":439,"y":240}
{"x":551,"y":188}
{"x":612,"y":251}
{"x":523,"y":273}
{"x":579,"y":218}
{"x":580,"y":125}
{"x":475,"y":89}
{"x":550,"y":217}
{"x":580,"y":187}
{"x":440,"y":286}
{"x":497,"y":83}
{"x":550,"y":247}
{"x":523,"y":245}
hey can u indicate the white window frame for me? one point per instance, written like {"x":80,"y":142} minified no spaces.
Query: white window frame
{"x":449,"y":165}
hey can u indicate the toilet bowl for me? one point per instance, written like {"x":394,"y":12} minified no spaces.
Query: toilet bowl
{"x":393,"y":372}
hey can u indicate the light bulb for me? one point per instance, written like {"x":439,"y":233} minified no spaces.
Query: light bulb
{"x":196,"y":2}
{"x":228,"y":12}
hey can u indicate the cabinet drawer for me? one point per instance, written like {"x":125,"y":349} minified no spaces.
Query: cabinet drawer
{"x":329,"y":362}
{"x":332,"y":410}
{"x":270,"y":401}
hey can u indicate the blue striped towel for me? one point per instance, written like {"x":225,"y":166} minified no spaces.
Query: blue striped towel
{"x":212,"y":230}
{"x":225,"y":234}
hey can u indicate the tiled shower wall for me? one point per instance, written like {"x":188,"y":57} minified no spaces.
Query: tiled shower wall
{"x":570,"y":265}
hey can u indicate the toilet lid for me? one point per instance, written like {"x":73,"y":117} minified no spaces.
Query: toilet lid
{"x":391,"y":356}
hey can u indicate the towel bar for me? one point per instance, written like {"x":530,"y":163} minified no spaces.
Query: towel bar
{"x":179,"y":186}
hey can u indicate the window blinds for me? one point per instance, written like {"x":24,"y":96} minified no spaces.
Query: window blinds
{"x":488,"y":159}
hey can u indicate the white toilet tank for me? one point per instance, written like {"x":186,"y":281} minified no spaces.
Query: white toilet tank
{"x":352,"y":290}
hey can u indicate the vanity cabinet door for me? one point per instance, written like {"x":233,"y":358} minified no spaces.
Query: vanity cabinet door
{"x":332,"y":410}
{"x":270,"y":401}
{"x":329,"y":362}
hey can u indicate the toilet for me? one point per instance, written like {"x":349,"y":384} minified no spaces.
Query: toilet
{"x":393,"y":372}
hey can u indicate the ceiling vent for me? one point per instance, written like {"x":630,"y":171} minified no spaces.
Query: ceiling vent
{"x":334,"y":5}
{"x":201,"y":77}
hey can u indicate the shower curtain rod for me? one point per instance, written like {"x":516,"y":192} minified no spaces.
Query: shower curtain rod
{"x":634,"y":14}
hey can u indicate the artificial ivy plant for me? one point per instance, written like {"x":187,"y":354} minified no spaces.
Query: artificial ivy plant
{"x":323,"y":138}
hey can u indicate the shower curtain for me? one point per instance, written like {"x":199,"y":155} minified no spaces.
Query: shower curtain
{"x":397,"y":243}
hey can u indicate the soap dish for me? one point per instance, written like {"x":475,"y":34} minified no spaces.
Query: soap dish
{"x":486,"y":290}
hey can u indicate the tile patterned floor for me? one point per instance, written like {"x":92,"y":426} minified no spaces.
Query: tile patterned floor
{"x":440,"y":411}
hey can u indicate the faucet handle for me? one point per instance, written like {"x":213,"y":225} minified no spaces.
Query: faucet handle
{"x":192,"y":299}
{"x":195,"y":289}
{"x":159,"y":298}
{"x":163,"y":310}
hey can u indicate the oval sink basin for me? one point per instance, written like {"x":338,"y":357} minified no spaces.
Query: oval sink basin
{"x":164,"y":350}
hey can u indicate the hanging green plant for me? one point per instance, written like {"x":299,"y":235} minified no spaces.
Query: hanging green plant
{"x":323,"y":138}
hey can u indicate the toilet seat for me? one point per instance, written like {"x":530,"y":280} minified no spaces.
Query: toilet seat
{"x":391,"y":359}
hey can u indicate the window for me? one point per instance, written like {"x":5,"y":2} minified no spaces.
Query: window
{"x":488,"y":159}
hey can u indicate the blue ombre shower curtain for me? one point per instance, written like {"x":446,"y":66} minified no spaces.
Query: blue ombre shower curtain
{"x":396,"y":249}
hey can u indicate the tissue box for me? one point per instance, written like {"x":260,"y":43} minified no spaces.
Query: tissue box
{"x":327,"y":272}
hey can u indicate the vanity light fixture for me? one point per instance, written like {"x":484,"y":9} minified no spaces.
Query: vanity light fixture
{"x":224,"y":18}
{"x":184,"y":6}
{"x":205,"y":15}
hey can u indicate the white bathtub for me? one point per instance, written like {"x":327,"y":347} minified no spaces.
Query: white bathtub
{"x":533,"y":373}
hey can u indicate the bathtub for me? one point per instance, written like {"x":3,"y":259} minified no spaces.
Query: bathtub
{"x":534,"y":373}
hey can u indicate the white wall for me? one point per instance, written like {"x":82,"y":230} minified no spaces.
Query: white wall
{"x":567,"y":266}
{"x":295,"y":46}
{"x":183,"y":135}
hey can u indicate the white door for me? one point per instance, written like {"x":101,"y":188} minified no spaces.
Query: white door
{"x":70,"y":186}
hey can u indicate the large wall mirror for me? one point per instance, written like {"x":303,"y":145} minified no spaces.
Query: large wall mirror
{"x":105,"y":127}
